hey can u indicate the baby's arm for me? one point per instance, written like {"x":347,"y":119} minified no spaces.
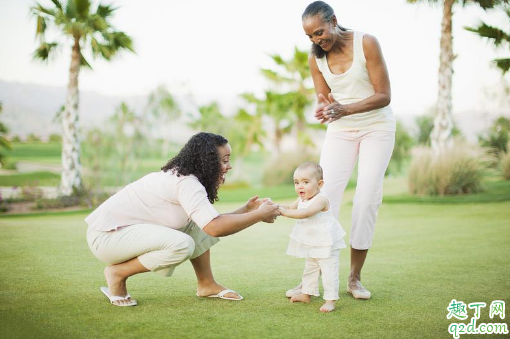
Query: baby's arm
{"x":321,"y":203}
{"x":292,"y":206}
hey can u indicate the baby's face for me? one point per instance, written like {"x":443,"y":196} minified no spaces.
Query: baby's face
{"x":306,"y":184}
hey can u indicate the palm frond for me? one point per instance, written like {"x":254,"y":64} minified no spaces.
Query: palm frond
{"x":41,"y":26}
{"x":82,"y":8}
{"x":45,"y":49}
{"x":431,"y":2}
{"x":492,"y":33}
{"x":104,"y":11}
{"x":5,"y":144}
{"x":97,"y":23}
{"x":57,"y":4}
{"x":485,"y":4}
{"x":39,"y":9}
{"x":502,"y":64}
{"x":84,"y":62}
{"x":71,"y":11}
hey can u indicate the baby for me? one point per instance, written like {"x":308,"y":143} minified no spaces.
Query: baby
{"x":317,"y":236}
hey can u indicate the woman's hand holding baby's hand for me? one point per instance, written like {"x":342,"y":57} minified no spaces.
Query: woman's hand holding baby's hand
{"x":255,"y":203}
{"x":269,"y":210}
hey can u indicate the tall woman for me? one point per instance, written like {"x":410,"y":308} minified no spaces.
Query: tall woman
{"x":167,"y":217}
{"x":353,"y":89}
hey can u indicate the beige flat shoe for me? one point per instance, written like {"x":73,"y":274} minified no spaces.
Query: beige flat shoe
{"x":359,"y":294}
{"x":294,"y":291}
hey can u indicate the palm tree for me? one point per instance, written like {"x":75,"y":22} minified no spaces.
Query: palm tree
{"x":4,"y":143}
{"x":246,"y":131}
{"x":498,"y":37}
{"x":162,"y":107}
{"x":84,"y":28}
{"x":129,"y":141}
{"x":291,"y":76}
{"x":277,"y":107}
{"x":443,"y":122}
{"x":210,"y":119}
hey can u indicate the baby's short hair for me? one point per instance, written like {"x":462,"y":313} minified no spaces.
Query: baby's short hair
{"x":315,"y":167}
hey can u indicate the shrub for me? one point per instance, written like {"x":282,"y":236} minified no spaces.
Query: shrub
{"x":31,"y":192}
{"x":497,"y":137}
{"x":401,"y":151}
{"x":505,"y":165}
{"x":460,"y":169}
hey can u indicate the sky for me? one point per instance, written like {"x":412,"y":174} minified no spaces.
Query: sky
{"x":215,"y":49}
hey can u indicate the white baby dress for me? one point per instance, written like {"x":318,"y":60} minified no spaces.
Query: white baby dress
{"x":316,"y":236}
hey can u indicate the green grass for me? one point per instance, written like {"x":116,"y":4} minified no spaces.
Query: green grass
{"x":24,"y":179}
{"x":46,"y":153}
{"x":423,"y":257}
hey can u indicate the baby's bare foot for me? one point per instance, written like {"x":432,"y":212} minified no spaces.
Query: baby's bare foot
{"x":300,"y":298}
{"x":328,"y":306}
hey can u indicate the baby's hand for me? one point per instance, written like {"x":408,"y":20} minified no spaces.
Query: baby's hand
{"x":282,"y":210}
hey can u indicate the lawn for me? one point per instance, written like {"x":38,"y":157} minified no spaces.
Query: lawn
{"x":424,"y":256}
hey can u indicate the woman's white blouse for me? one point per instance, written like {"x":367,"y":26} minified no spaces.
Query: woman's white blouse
{"x":160,"y":198}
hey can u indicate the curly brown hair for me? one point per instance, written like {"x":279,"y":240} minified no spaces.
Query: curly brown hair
{"x":200,"y":157}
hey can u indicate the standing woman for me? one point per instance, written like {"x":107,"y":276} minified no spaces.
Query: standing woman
{"x":167,"y":217}
{"x":353,"y":89}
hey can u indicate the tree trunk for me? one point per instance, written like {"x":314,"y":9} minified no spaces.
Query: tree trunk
{"x":443,"y":124}
{"x":71,"y":167}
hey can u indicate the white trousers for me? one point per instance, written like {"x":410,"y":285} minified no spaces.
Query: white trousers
{"x":329,"y":268}
{"x":340,"y":152}
{"x":159,"y":249}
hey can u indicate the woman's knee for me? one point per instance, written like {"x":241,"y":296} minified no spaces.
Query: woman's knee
{"x":185,"y":247}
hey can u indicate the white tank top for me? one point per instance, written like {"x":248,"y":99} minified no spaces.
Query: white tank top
{"x":352,"y":86}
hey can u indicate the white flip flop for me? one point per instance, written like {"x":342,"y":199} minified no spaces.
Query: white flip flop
{"x":221,"y":295}
{"x":113,"y":298}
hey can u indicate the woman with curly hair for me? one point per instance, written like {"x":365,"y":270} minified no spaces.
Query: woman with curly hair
{"x":167,"y":217}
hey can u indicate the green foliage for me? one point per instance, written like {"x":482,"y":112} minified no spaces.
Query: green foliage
{"x":57,"y":138}
{"x":76,"y":21}
{"x":33,"y":138}
{"x":497,"y":137}
{"x":287,"y":98}
{"x":460,"y":169}
{"x":505,"y":165}
{"x":498,"y":37}
{"x":401,"y":151}
{"x":425,"y":124}
{"x":210,"y":119}
{"x":117,"y":148}
{"x":5,"y":145}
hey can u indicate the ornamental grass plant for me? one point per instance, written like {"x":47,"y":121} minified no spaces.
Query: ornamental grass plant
{"x":505,"y":165}
{"x":460,"y":169}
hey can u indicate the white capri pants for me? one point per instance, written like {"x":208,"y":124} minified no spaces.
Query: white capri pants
{"x":372,"y":150}
{"x":329,"y":268}
{"x":159,"y":248}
